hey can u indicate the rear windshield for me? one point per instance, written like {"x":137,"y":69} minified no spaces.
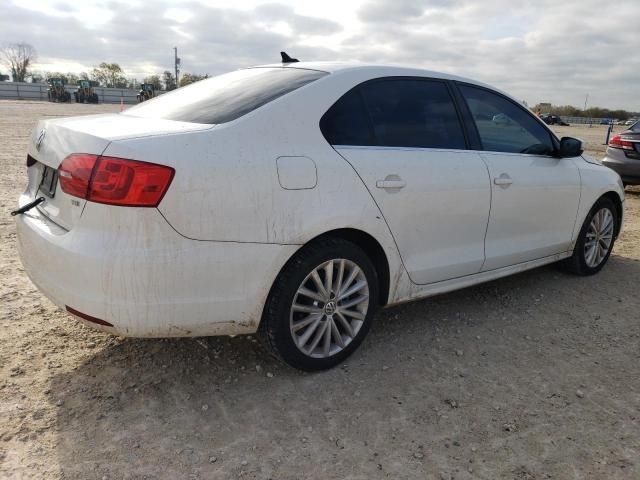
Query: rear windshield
{"x":226,"y":97}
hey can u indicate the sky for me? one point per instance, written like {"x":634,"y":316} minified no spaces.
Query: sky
{"x":556,"y":51}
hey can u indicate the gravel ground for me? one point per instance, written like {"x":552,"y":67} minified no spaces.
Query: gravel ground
{"x":530,"y":377}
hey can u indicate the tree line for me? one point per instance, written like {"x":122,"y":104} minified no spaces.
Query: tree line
{"x":113,"y":76}
{"x":591,"y":112}
{"x":20,"y":57}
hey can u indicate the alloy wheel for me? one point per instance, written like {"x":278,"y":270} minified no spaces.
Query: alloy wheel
{"x":599,"y":237}
{"x":329,"y":308}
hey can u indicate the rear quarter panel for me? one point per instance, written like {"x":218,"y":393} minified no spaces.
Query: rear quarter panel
{"x":226,"y":184}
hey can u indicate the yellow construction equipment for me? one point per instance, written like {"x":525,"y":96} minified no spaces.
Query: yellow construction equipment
{"x":85,"y":92}
{"x":147,"y":92}
{"x":57,"y":92}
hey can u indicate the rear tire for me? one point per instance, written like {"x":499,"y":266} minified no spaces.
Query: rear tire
{"x":595,"y":241}
{"x":321,"y":306}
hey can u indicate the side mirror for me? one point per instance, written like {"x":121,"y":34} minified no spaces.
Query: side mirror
{"x":570,"y":147}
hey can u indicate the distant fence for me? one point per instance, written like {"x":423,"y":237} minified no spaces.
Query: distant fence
{"x":38,"y":91}
{"x":585,"y":120}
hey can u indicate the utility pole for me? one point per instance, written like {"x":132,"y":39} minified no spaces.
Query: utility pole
{"x":176,"y":64}
{"x":585,"y":109}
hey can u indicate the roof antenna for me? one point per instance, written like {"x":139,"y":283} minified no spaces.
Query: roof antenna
{"x":287,"y":59}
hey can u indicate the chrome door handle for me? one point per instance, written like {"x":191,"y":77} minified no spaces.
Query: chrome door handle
{"x":391,"y":184}
{"x":503,"y":180}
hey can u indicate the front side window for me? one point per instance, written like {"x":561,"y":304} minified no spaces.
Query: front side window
{"x":226,"y":97}
{"x":504,"y":126}
{"x":413,"y":113}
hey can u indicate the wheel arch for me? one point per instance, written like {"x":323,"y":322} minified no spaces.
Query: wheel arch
{"x":615,"y":198}
{"x":372,"y":248}
{"x":374,"y":251}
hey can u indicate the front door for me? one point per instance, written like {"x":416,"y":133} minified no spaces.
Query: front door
{"x":535,"y":195}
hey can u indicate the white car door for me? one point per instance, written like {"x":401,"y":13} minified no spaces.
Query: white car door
{"x":404,"y":139}
{"x":535,"y":195}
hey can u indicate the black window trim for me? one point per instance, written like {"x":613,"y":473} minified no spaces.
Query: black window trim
{"x":554,"y":139}
{"x":468,"y":124}
{"x":452,"y":94}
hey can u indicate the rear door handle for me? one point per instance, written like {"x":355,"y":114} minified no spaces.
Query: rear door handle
{"x":503,"y":180}
{"x":399,"y":183}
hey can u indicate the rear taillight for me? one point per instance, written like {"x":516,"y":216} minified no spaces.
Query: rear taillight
{"x":74,"y":173}
{"x":118,"y":181}
{"x":618,"y":142}
{"x":115,"y":181}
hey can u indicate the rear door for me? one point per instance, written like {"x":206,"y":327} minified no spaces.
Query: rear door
{"x":404,"y":138}
{"x":535,"y":195}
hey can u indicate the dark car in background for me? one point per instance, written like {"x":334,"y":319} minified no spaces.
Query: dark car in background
{"x":623,"y":154}
{"x":551,"y":119}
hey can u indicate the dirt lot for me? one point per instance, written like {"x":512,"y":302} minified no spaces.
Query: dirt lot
{"x":531,"y":377}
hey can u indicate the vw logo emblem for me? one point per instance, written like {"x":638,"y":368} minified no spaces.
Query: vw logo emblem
{"x":330,"y":308}
{"x":40,"y":139}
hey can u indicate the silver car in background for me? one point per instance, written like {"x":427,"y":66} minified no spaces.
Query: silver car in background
{"x":623,"y":155}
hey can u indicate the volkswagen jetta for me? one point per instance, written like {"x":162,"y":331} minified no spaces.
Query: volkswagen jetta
{"x":296,"y":199}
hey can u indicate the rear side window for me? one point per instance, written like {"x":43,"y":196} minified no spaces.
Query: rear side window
{"x":413,"y":113}
{"x":395,"y":112}
{"x":504,"y":126}
{"x":226,"y":97}
{"x":346,"y":122}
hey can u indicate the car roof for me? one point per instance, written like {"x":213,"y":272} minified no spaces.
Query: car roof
{"x":373,"y":69}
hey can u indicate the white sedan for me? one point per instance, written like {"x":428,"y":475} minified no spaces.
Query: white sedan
{"x":295,"y":199}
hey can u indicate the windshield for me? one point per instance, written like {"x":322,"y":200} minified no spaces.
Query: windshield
{"x":226,"y":97}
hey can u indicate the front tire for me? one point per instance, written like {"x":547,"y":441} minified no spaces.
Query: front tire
{"x":321,"y":306}
{"x":596,"y":239}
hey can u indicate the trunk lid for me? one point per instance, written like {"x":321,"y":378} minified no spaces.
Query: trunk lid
{"x":53,"y":140}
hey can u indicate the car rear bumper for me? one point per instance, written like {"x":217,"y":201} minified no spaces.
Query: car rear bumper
{"x":627,"y":168}
{"x":131,"y":270}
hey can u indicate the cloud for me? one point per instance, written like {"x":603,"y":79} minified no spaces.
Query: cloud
{"x":542,"y":51}
{"x":301,"y":24}
{"x":538,"y":51}
{"x":140,"y":37}
{"x":382,"y":11}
